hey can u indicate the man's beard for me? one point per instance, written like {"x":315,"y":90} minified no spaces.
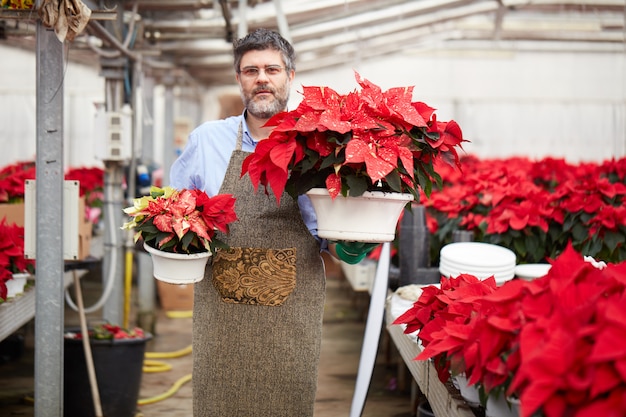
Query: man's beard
{"x":266,"y":108}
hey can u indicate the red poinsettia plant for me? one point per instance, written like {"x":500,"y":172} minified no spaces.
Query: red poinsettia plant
{"x":533,"y":207}
{"x":91,"y":186}
{"x":450,"y":305}
{"x":12,"y":259}
{"x":573,"y":348}
{"x":556,"y":343}
{"x":12,"y":180}
{"x":109,"y":332}
{"x":181,"y":221}
{"x":361,"y":141}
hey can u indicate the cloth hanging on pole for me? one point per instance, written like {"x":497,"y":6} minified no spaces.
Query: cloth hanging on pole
{"x":68,"y":18}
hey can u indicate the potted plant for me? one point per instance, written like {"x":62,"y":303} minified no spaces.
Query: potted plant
{"x":118,"y":359}
{"x":91,"y":182}
{"x":441,"y":317}
{"x":180,"y":225}
{"x":533,"y":207}
{"x":14,"y":268}
{"x":361,"y":144}
{"x":555,"y":343}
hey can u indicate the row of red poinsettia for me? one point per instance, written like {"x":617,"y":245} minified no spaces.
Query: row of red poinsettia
{"x":557,"y":343}
{"x":12,"y":181}
{"x":90,"y":179}
{"x":12,"y":259}
{"x":533,"y":207}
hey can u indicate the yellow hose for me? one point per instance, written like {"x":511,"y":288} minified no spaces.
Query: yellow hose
{"x":169,"y":355}
{"x":128,"y":281}
{"x":149,"y":365}
{"x":166,"y":394}
{"x":184,"y":314}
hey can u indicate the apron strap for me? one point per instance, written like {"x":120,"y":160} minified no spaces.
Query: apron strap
{"x":239,"y":137}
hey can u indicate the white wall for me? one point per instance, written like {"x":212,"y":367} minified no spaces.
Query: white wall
{"x":535,"y":104}
{"x":18,"y":141}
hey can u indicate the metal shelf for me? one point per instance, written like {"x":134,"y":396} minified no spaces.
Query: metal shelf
{"x":20,"y":310}
{"x":17,"y":312}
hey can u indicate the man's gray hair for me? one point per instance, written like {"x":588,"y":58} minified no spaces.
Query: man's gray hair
{"x":260,"y":40}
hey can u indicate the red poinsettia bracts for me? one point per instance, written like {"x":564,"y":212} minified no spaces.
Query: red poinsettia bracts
{"x":91,"y":182}
{"x":533,"y":207}
{"x":91,"y":186}
{"x":12,"y":259}
{"x":573,"y":356}
{"x":12,"y":180}
{"x":354,"y":142}
{"x":109,"y":332}
{"x":181,"y":221}
{"x":558,"y":343}
{"x":450,"y":306}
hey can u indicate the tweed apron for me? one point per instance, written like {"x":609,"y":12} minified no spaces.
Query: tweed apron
{"x":257,"y":321}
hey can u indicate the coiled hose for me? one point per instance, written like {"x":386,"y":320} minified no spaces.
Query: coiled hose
{"x":151,"y":365}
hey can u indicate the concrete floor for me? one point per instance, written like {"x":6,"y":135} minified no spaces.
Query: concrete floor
{"x":344,"y":324}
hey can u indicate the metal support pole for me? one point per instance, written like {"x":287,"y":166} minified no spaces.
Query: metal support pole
{"x":168,"y":131}
{"x":147,"y":122}
{"x":113,"y":258}
{"x":114,"y":241}
{"x":49,"y":317}
{"x":146,"y":314}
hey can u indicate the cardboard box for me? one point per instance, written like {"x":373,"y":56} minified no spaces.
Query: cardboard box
{"x":175,"y":297}
{"x":85,"y":231}
{"x":13,"y":213}
{"x":85,"y":234}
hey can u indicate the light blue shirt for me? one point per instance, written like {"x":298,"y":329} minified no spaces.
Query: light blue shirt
{"x":204,"y":161}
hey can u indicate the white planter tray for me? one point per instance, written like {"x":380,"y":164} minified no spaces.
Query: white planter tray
{"x":371,"y":217}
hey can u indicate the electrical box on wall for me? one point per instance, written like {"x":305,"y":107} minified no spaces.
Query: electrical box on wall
{"x":71,"y":217}
{"x":113,"y":134}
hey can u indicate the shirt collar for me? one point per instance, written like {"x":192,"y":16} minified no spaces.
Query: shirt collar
{"x":247,"y":137}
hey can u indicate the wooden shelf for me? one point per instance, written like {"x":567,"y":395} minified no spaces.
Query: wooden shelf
{"x":442,"y":402}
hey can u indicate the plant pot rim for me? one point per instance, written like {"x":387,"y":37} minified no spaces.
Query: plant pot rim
{"x":393,"y":195}
{"x":146,"y":337}
{"x":174,"y":255}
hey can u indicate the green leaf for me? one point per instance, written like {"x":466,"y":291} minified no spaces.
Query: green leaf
{"x":357,"y":185}
{"x":579,"y":233}
{"x":613,"y":239}
{"x":394,"y":181}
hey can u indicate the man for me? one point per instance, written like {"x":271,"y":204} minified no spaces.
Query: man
{"x":258,"y":312}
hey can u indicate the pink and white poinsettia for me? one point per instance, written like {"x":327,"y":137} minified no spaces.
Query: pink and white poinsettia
{"x":181,"y":221}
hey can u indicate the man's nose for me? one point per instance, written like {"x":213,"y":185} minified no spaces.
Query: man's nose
{"x":262,"y":77}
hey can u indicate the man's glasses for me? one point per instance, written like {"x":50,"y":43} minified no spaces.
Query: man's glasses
{"x":253,"y":72}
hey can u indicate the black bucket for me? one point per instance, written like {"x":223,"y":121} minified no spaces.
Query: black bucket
{"x":118,"y":366}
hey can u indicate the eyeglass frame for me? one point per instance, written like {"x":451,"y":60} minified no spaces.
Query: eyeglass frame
{"x":256,"y":71}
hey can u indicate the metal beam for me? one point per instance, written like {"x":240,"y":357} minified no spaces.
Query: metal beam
{"x":49,"y":318}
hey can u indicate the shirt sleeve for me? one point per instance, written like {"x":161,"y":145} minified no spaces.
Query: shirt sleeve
{"x":310,"y":219}
{"x":184,"y":173}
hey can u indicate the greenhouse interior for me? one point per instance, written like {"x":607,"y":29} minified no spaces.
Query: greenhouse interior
{"x":495,"y":286}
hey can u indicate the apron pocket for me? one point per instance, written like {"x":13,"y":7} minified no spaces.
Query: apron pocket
{"x":255,"y":275}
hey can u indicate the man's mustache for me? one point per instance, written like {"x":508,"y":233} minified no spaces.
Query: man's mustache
{"x":264,"y":89}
